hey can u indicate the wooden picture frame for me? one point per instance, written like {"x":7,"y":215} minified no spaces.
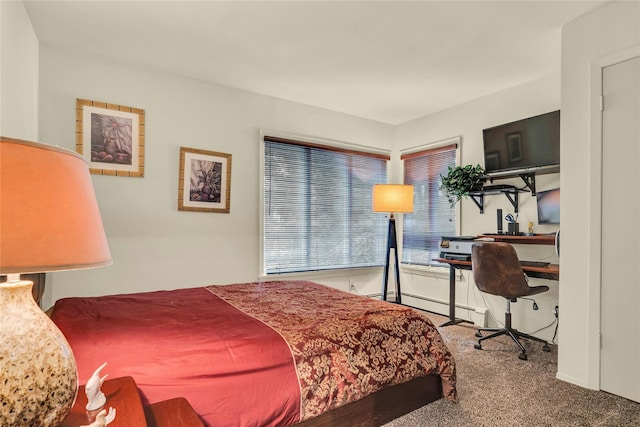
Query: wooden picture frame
{"x":204,"y":184}
{"x":110,"y":137}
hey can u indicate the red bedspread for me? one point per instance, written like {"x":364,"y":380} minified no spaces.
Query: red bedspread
{"x":186,"y":343}
{"x":255,"y":354}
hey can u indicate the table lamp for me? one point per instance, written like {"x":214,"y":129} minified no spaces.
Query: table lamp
{"x":49,"y":221}
{"x":392,"y":198}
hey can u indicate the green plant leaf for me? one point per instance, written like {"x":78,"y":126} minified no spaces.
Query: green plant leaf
{"x":460,"y":180}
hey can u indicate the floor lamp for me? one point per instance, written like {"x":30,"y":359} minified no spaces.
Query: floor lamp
{"x":49,"y":221}
{"x":392,"y":198}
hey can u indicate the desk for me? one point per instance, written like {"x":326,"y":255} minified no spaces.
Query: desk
{"x":535,"y":239}
{"x":550,"y":272}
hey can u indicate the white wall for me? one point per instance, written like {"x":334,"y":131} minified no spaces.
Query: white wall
{"x":154,"y":246}
{"x":586,"y":43}
{"x":431,"y":286}
{"x":18,"y":73}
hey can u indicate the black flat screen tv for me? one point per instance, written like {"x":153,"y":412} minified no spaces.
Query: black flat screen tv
{"x":525,"y":144}
{"x":548,"y":206}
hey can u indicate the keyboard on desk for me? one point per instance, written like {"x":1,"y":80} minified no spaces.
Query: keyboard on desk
{"x":534,"y":263}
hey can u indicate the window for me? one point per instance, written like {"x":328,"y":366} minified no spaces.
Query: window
{"x":432,"y":217}
{"x":317,"y":207}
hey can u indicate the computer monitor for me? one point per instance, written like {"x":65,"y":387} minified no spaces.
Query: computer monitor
{"x":548,"y":206}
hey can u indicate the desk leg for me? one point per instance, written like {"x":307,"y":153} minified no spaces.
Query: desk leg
{"x":452,"y":299}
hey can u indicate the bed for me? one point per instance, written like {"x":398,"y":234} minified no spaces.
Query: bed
{"x":264,"y":354}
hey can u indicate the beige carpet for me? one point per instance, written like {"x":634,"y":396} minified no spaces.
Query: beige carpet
{"x":497,"y":389}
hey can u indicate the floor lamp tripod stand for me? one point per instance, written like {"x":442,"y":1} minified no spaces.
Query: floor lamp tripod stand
{"x":392,"y":198}
{"x":392,"y":243}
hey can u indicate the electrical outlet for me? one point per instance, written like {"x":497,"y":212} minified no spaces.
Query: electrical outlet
{"x":556,"y":311}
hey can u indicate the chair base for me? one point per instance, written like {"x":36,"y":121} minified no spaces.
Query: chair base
{"x":515,"y":336}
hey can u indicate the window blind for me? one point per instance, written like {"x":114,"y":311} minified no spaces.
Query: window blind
{"x":317,"y":207}
{"x":432,"y":217}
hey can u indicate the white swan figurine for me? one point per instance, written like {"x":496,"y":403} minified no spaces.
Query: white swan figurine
{"x":95,"y":397}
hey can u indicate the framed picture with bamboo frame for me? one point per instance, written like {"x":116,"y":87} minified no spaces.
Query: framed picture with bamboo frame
{"x":204,"y":183}
{"x":110,"y":137}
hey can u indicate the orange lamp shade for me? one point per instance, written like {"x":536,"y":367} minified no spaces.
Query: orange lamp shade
{"x":49,"y":216}
{"x":393,"y":198}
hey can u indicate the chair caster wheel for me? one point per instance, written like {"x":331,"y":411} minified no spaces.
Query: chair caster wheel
{"x":522,"y":356}
{"x":478,"y":334}
{"x":478,"y":346}
{"x":546,"y":348}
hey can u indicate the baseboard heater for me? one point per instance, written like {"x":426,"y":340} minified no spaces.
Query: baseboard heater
{"x":423,"y":298}
{"x":437,"y":301}
{"x":477,"y":315}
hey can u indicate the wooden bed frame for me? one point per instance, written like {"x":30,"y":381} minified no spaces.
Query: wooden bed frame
{"x":383,"y":406}
{"x":380,"y":407}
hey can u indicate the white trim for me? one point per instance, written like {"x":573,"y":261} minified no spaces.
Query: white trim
{"x":431,"y":145}
{"x":594,"y":235}
{"x":320,"y":274}
{"x":324,"y":141}
{"x":574,"y":380}
{"x":261,"y":207}
{"x":616,"y":58}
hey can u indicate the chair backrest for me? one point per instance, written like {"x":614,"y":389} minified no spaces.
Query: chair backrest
{"x":496,"y":270}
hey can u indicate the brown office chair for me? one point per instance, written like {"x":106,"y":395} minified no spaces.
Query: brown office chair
{"x":497,"y":271}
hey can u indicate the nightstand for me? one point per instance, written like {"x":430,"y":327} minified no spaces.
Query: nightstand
{"x":172,"y":413}
{"x":122,"y":395}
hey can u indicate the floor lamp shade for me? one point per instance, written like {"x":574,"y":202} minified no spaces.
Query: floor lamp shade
{"x":392,"y":198}
{"x":49,"y":221}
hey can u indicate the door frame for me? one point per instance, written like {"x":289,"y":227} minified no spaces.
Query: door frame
{"x":594,"y":288}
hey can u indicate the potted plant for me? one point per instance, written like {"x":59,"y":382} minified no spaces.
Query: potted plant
{"x":460,"y":180}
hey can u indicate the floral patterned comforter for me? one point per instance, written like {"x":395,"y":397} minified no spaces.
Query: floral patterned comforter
{"x":344,"y":346}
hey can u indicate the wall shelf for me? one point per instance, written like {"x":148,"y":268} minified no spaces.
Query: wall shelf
{"x":510,"y":191}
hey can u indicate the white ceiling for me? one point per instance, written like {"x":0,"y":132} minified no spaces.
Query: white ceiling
{"x":390,"y":61}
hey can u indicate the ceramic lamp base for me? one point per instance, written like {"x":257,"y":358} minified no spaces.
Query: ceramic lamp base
{"x":39,"y":375}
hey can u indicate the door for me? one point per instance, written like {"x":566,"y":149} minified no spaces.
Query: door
{"x":620,"y":309}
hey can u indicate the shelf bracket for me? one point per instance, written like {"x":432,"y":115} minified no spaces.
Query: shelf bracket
{"x":530,"y":181}
{"x":513,"y":198}
{"x":511,"y":195}
{"x":478,"y":199}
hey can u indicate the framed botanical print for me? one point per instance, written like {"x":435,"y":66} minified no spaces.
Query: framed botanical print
{"x":204,"y":183}
{"x":110,"y":137}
